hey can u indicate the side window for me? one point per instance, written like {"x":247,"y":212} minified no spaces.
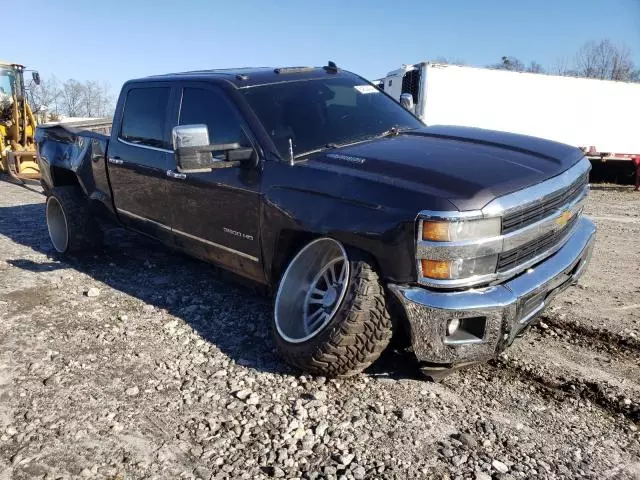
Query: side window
{"x":213,"y":110}
{"x":143,"y":121}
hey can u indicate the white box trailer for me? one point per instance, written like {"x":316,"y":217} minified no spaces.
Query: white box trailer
{"x":601,"y":117}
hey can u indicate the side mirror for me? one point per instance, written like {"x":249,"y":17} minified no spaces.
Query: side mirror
{"x":406,"y":100}
{"x":191,"y":148}
{"x":194,"y":152}
{"x":36,"y":77}
{"x":246,"y":157}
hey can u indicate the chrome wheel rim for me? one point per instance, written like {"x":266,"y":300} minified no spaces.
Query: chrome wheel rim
{"x":311,"y":290}
{"x":57,"y":225}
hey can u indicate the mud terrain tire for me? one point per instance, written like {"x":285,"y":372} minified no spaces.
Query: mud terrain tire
{"x":71,"y":226}
{"x":356,"y":333}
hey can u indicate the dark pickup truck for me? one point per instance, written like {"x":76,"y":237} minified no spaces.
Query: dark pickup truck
{"x":361,"y":220}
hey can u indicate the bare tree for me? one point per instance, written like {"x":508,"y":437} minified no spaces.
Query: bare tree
{"x":96,"y":99}
{"x":601,"y":59}
{"x":88,"y":99}
{"x":449,"y":61}
{"x":72,"y":93}
{"x":535,"y":67}
{"x":605,"y":61}
{"x":45,"y":96}
{"x":509,"y":63}
{"x":561,"y":67}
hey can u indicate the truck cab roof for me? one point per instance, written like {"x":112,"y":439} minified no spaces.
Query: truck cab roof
{"x":252,"y":76}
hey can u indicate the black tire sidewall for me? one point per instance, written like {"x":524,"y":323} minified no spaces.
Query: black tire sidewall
{"x":83,"y":232}
{"x":330,"y":332}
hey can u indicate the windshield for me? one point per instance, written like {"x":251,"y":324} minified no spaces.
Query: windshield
{"x":325,"y":112}
{"x":7,"y":80}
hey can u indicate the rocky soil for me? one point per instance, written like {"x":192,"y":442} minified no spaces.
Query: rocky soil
{"x":137,"y":362}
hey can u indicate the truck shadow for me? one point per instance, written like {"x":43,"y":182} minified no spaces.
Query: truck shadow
{"x":233,"y":317}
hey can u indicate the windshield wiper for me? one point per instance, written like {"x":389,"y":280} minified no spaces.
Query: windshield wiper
{"x":392,"y":132}
{"x":328,"y":146}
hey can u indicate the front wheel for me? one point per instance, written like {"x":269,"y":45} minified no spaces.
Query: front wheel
{"x":330,"y":316}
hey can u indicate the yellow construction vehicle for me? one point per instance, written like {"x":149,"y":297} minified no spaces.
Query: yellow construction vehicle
{"x":17,"y":124}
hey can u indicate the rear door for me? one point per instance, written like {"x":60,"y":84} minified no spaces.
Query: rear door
{"x":139,"y":156}
{"x":216,"y":214}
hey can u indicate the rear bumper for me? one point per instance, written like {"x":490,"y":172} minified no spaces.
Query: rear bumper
{"x":496,"y":314}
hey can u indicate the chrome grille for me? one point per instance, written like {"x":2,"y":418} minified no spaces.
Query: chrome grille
{"x":533,"y":228}
{"x":521,"y":218}
{"x":512,"y":258}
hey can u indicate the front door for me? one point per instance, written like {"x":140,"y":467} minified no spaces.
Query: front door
{"x":216,"y":214}
{"x":139,"y":157}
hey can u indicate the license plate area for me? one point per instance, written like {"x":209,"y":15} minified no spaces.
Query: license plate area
{"x":533,"y":303}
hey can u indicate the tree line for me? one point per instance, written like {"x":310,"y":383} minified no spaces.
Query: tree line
{"x":54,"y":99}
{"x":602,"y":60}
{"x":596,"y":59}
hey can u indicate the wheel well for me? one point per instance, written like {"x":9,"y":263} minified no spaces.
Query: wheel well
{"x":401,"y":326}
{"x":291,"y":241}
{"x":62,"y":177}
{"x":288,"y":244}
{"x":401,"y":334}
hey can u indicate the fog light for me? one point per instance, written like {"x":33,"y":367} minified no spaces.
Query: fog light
{"x":461,"y":331}
{"x":452,"y":326}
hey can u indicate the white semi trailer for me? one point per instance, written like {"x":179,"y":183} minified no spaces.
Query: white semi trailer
{"x":601,"y":117}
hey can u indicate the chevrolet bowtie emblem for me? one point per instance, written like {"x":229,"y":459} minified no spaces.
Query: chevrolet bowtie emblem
{"x":563,"y":219}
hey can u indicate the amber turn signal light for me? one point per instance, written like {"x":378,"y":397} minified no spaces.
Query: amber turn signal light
{"x":438,"y":269}
{"x":435,"y":231}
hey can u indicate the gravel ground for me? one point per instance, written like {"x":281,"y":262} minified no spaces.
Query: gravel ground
{"x":138,"y":362}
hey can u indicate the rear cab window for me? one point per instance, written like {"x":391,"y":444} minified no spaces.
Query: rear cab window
{"x":144,"y":117}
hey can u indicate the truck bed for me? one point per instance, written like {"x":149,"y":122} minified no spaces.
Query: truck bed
{"x":99,"y":125}
{"x":62,"y":147}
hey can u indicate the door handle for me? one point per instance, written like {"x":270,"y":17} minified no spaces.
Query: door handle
{"x":172,"y":174}
{"x":116,"y":160}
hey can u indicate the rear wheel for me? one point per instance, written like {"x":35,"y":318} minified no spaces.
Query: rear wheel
{"x":330,"y":316}
{"x":69,"y":221}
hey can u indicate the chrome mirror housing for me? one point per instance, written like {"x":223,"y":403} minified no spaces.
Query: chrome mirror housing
{"x":406,"y":100}
{"x":191,"y":148}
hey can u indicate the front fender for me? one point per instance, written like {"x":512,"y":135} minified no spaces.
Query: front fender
{"x":385,"y":233}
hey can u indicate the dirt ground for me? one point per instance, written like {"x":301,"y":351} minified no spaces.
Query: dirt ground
{"x":137,"y":362}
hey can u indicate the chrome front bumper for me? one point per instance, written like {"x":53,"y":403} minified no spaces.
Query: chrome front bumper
{"x":505,"y":310}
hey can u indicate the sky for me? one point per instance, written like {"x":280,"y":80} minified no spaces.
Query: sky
{"x":116,"y":40}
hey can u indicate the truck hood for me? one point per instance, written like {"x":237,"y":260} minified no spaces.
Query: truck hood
{"x":467,"y":166}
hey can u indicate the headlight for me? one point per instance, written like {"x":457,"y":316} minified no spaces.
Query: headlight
{"x":457,"y":231}
{"x":458,"y":249}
